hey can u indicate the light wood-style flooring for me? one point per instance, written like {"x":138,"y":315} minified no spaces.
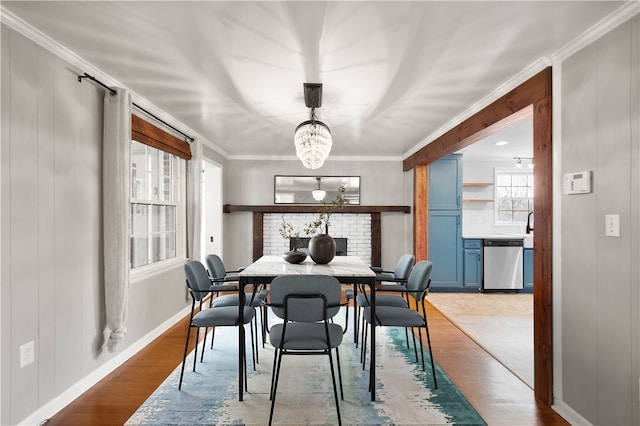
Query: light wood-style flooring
{"x":499,"y":396}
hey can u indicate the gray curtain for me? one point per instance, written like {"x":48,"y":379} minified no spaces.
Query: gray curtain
{"x":116,"y":208}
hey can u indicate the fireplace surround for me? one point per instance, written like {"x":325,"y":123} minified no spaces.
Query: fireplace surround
{"x":258,"y":212}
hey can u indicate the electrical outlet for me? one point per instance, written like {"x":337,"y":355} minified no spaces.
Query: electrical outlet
{"x":612,"y":225}
{"x":27,"y":354}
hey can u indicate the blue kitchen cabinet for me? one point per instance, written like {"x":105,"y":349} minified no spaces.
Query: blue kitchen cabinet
{"x":445,"y":183}
{"x":472,"y":261}
{"x":445,"y":249}
{"x":445,"y":223}
{"x":527,"y":269}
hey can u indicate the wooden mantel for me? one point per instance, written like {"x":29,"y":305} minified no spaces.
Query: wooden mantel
{"x":259,"y":211}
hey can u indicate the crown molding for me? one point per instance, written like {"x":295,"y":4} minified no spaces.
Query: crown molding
{"x":500,"y":91}
{"x":624,"y":13}
{"x":19,"y":25}
{"x":615,"y":19}
{"x":329,"y":159}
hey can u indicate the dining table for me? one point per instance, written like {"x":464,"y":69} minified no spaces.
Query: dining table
{"x":347,"y":269}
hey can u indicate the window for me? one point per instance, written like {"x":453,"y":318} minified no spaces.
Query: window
{"x":514,"y":196}
{"x":158,"y":180}
{"x":154,"y":204}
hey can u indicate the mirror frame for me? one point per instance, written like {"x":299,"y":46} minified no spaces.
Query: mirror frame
{"x":296,"y":189}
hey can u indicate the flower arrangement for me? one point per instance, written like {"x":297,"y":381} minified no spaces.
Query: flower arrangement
{"x":287,"y":232}
{"x":316,"y":226}
{"x":322,"y":221}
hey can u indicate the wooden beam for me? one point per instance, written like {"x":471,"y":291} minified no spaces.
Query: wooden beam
{"x":469,"y":131}
{"x":231,"y":208}
{"x":421,"y":212}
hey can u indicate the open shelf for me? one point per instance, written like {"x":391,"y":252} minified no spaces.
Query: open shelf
{"x":478,"y":201}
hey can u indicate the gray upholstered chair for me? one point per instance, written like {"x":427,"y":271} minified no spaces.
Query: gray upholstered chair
{"x":306,"y":303}
{"x":394,"y":316}
{"x":220,"y":275}
{"x":199,"y":285}
{"x":396,"y":281}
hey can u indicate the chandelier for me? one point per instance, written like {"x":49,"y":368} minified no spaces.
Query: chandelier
{"x":319,"y":193}
{"x":312,"y":138}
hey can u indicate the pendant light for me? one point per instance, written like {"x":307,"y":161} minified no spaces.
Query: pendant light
{"x":312,"y":138}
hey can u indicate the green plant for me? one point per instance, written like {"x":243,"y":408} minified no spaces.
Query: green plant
{"x":323,"y":220}
{"x":314,"y":227}
{"x":287,"y":232}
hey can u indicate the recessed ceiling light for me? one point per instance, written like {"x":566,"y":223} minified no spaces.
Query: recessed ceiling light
{"x":500,"y":143}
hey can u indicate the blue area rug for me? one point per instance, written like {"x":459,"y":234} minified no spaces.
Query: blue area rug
{"x":404,"y":394}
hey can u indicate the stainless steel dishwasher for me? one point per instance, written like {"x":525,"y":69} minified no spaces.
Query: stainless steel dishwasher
{"x":502,"y":265}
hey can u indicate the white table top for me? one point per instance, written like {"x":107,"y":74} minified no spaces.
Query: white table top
{"x":340,"y":266}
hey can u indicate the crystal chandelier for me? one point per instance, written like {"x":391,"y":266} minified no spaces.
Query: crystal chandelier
{"x":312,"y":138}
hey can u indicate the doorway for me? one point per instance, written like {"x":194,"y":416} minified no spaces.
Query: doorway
{"x":531,"y":98}
{"x":211,"y":235}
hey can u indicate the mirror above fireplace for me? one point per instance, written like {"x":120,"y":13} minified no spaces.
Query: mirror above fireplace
{"x":315,"y":189}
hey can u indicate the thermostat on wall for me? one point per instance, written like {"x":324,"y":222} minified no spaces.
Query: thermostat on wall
{"x":577,"y":183}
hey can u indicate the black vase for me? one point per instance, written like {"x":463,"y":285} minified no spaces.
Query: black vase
{"x":294,"y":256}
{"x":322,"y":249}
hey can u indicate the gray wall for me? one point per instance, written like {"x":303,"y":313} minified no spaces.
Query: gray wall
{"x":50,"y":221}
{"x":50,"y":217}
{"x":600,"y":278}
{"x":251,"y":182}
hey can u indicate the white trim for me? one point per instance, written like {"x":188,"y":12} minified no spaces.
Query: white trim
{"x":294,"y":158}
{"x":620,"y":16}
{"x":569,"y":414}
{"x":14,"y":22}
{"x":142,"y":273}
{"x":500,"y":91}
{"x":52,"y":407}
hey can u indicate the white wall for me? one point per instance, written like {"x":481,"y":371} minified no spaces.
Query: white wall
{"x":478,"y":218}
{"x":50,"y":221}
{"x":251,"y":182}
{"x":600,"y":277}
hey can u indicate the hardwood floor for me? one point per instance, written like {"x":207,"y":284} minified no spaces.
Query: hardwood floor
{"x":499,"y":396}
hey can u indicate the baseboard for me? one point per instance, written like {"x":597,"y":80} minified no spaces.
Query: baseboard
{"x":58,"y":403}
{"x":569,"y":414}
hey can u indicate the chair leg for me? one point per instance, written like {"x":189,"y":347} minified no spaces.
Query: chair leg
{"x":339,"y":373}
{"x":184,"y":357}
{"x":273,"y":372}
{"x":433,"y":368}
{"x":254,"y":350}
{"x":335,"y":389}
{"x":415,"y":348}
{"x":356,"y":330}
{"x":363,"y":344}
{"x":275,"y":386}
{"x":204,"y":341}
{"x":195,"y":351}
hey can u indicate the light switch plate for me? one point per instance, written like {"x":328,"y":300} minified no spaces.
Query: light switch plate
{"x":612,"y":225}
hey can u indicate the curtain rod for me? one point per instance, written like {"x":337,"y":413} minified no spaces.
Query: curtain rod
{"x":113,"y":92}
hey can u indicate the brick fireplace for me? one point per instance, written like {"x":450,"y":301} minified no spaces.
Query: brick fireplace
{"x":356,"y":228}
{"x":361,"y":225}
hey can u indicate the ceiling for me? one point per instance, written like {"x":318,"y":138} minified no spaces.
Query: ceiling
{"x":394,"y":73}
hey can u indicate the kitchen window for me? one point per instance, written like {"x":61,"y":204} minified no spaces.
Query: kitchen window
{"x":513,"y":196}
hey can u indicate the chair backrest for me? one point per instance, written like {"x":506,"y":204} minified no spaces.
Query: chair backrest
{"x":197,"y":279}
{"x":305,"y":310}
{"x":215,"y":266}
{"x":403,"y":267}
{"x":420,"y":279}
